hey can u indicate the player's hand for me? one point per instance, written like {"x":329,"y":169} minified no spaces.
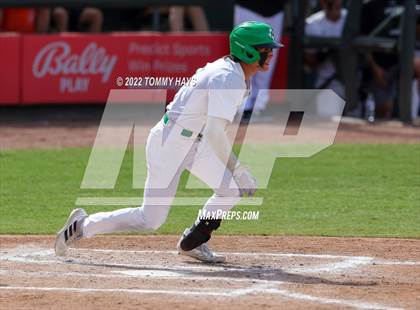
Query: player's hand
{"x":246,"y":182}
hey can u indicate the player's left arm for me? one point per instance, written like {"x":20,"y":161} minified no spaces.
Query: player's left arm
{"x":215,"y":133}
{"x":222,"y":106}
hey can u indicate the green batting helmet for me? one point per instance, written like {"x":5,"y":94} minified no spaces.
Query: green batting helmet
{"x":247,"y":37}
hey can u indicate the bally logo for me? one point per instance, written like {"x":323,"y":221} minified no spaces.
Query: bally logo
{"x":56,"y":58}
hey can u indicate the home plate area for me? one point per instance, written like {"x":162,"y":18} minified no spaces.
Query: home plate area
{"x":89,"y":278}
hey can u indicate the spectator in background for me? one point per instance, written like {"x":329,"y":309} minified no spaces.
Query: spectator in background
{"x":326,"y":23}
{"x":415,"y":101}
{"x":272,"y":13}
{"x":88,"y":19}
{"x":382,"y":67}
{"x":195,"y":13}
{"x":25,"y":20}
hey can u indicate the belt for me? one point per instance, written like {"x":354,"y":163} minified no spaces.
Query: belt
{"x":185,"y":132}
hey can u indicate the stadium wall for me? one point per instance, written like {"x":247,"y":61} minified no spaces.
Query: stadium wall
{"x":82,"y":68}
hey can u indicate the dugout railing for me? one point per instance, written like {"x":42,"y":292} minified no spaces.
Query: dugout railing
{"x":352,"y":44}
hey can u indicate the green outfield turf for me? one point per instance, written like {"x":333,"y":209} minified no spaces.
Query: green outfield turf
{"x":346,"y":190}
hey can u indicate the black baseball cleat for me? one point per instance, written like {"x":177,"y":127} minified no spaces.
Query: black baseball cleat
{"x":202,"y":252}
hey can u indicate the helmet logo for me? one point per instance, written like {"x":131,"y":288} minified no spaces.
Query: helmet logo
{"x":271,"y":34}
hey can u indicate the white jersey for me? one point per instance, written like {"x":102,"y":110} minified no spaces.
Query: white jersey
{"x":319,"y":25}
{"x":218,"y":89}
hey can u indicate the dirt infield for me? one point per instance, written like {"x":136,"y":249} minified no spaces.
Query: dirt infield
{"x":61,"y":127}
{"x":144,"y":272}
{"x":77,"y":135}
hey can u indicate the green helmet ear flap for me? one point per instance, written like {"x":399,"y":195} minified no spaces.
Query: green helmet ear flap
{"x":244,"y":52}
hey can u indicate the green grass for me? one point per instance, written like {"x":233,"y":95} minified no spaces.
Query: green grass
{"x":346,"y":190}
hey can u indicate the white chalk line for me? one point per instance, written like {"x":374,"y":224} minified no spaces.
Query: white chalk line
{"x":121,"y":290}
{"x":262,"y":289}
{"x":342,"y":302}
{"x":257,"y":254}
{"x":396,"y":263}
{"x":253,"y":254}
{"x":349,"y":263}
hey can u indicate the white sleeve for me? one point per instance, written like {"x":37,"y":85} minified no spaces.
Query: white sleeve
{"x":225,"y":97}
{"x":312,"y":24}
{"x":215,"y":133}
{"x":311,"y":29}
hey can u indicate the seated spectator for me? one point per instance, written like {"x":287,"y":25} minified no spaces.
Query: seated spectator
{"x":415,"y":102}
{"x":326,"y":23}
{"x":382,"y":67}
{"x":194,"y":13}
{"x":24,"y":20}
{"x":88,"y":19}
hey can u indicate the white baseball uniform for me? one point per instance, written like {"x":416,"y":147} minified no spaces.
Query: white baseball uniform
{"x":175,"y":144}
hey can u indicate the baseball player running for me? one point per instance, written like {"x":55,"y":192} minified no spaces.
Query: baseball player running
{"x":192,"y":135}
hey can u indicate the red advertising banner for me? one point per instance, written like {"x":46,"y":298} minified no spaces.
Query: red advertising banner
{"x":76,"y":68}
{"x":82,"y":68}
{"x":9,"y":68}
{"x":279,"y":80}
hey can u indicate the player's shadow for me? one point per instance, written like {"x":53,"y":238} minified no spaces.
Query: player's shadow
{"x":230,"y":271}
{"x":269,"y":274}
